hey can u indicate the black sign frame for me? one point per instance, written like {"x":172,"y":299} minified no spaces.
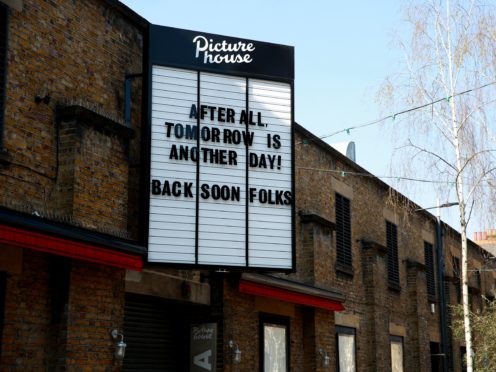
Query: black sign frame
{"x":157,"y":46}
{"x":268,"y":61}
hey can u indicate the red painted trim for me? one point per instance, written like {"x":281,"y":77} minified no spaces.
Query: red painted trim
{"x":289,"y":296}
{"x":68,"y":248}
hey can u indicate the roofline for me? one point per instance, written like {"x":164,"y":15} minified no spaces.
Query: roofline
{"x":326,"y":147}
{"x":128,"y":13}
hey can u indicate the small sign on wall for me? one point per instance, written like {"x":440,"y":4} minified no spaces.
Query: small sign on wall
{"x":203,"y":347}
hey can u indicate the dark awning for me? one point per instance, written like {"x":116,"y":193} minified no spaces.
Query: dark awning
{"x":290,"y":291}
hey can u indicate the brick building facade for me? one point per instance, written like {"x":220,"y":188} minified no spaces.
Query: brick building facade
{"x":65,"y":181}
{"x":72,"y":263}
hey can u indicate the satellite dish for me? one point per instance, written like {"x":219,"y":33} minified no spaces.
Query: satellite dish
{"x":346,"y":148}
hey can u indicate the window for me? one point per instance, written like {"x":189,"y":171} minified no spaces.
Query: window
{"x":436,"y":361}
{"x":392,"y":253}
{"x":457,"y":275}
{"x":274,"y":337}
{"x":346,"y":349}
{"x":396,"y":343}
{"x":478,"y":280}
{"x":463,"y":357}
{"x":429,"y":270}
{"x":3,"y":290}
{"x":343,"y":232}
{"x":3,"y":65}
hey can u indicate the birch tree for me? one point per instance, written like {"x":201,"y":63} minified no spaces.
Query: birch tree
{"x":449,"y":59}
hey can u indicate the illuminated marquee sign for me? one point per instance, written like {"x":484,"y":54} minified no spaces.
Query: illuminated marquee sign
{"x":221,"y":162}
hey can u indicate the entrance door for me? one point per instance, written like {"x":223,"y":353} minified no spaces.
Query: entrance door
{"x":436,"y":357}
{"x":155,"y":334}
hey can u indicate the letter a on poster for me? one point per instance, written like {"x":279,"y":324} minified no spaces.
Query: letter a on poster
{"x":203,"y":347}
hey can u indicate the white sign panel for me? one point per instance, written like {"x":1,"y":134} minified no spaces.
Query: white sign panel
{"x":221,"y":182}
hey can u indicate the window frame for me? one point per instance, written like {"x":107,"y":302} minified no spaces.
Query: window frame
{"x":3,"y":295}
{"x":4,"y":44}
{"x":478,"y":279}
{"x":265,"y":318}
{"x":347,"y":331}
{"x":398,"y":340}
{"x":393,"y":267}
{"x":430,"y":276}
{"x":344,"y":246}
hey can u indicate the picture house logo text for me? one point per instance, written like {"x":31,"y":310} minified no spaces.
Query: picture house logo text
{"x":222,"y":52}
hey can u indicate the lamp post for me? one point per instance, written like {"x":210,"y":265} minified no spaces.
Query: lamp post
{"x":440,"y":282}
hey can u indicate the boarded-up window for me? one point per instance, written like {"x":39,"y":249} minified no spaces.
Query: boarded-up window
{"x":346,"y":349}
{"x":429,"y":269}
{"x":396,"y":343}
{"x":343,"y":232}
{"x":392,"y":253}
{"x":274,"y":343}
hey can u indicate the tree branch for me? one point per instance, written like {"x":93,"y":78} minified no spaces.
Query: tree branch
{"x":421,"y":149}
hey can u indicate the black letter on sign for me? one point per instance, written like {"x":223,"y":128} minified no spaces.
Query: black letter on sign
{"x":169,"y":126}
{"x":173,"y":152}
{"x":230,"y":115}
{"x":155,"y":187}
{"x":243,"y":119}
{"x":289,"y":197}
{"x":203,"y":111}
{"x":253,"y":159}
{"x":277,"y":141}
{"x":176,"y":188}
{"x":187,"y":189}
{"x":205,"y":193}
{"x":193,"y":112}
{"x":253,"y":194}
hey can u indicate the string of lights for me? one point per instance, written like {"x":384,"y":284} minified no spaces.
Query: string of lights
{"x":344,"y":173}
{"x":348,"y":130}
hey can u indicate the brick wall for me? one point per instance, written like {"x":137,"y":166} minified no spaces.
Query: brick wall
{"x":78,"y":54}
{"x":373,"y":309}
{"x":55,"y":325}
{"x":381,"y":311}
{"x":27,"y":316}
{"x":241,"y":324}
{"x":96,"y":306}
{"x":76,"y":167}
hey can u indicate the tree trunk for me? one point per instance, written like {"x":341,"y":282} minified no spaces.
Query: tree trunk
{"x":463,"y":228}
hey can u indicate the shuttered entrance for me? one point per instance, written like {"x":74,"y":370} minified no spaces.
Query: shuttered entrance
{"x":156,"y":335}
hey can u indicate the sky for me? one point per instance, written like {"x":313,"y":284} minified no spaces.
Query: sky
{"x":343,"y":52}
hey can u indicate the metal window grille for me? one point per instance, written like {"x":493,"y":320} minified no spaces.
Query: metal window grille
{"x":429,"y":265}
{"x":392,"y":249}
{"x":343,"y":232}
